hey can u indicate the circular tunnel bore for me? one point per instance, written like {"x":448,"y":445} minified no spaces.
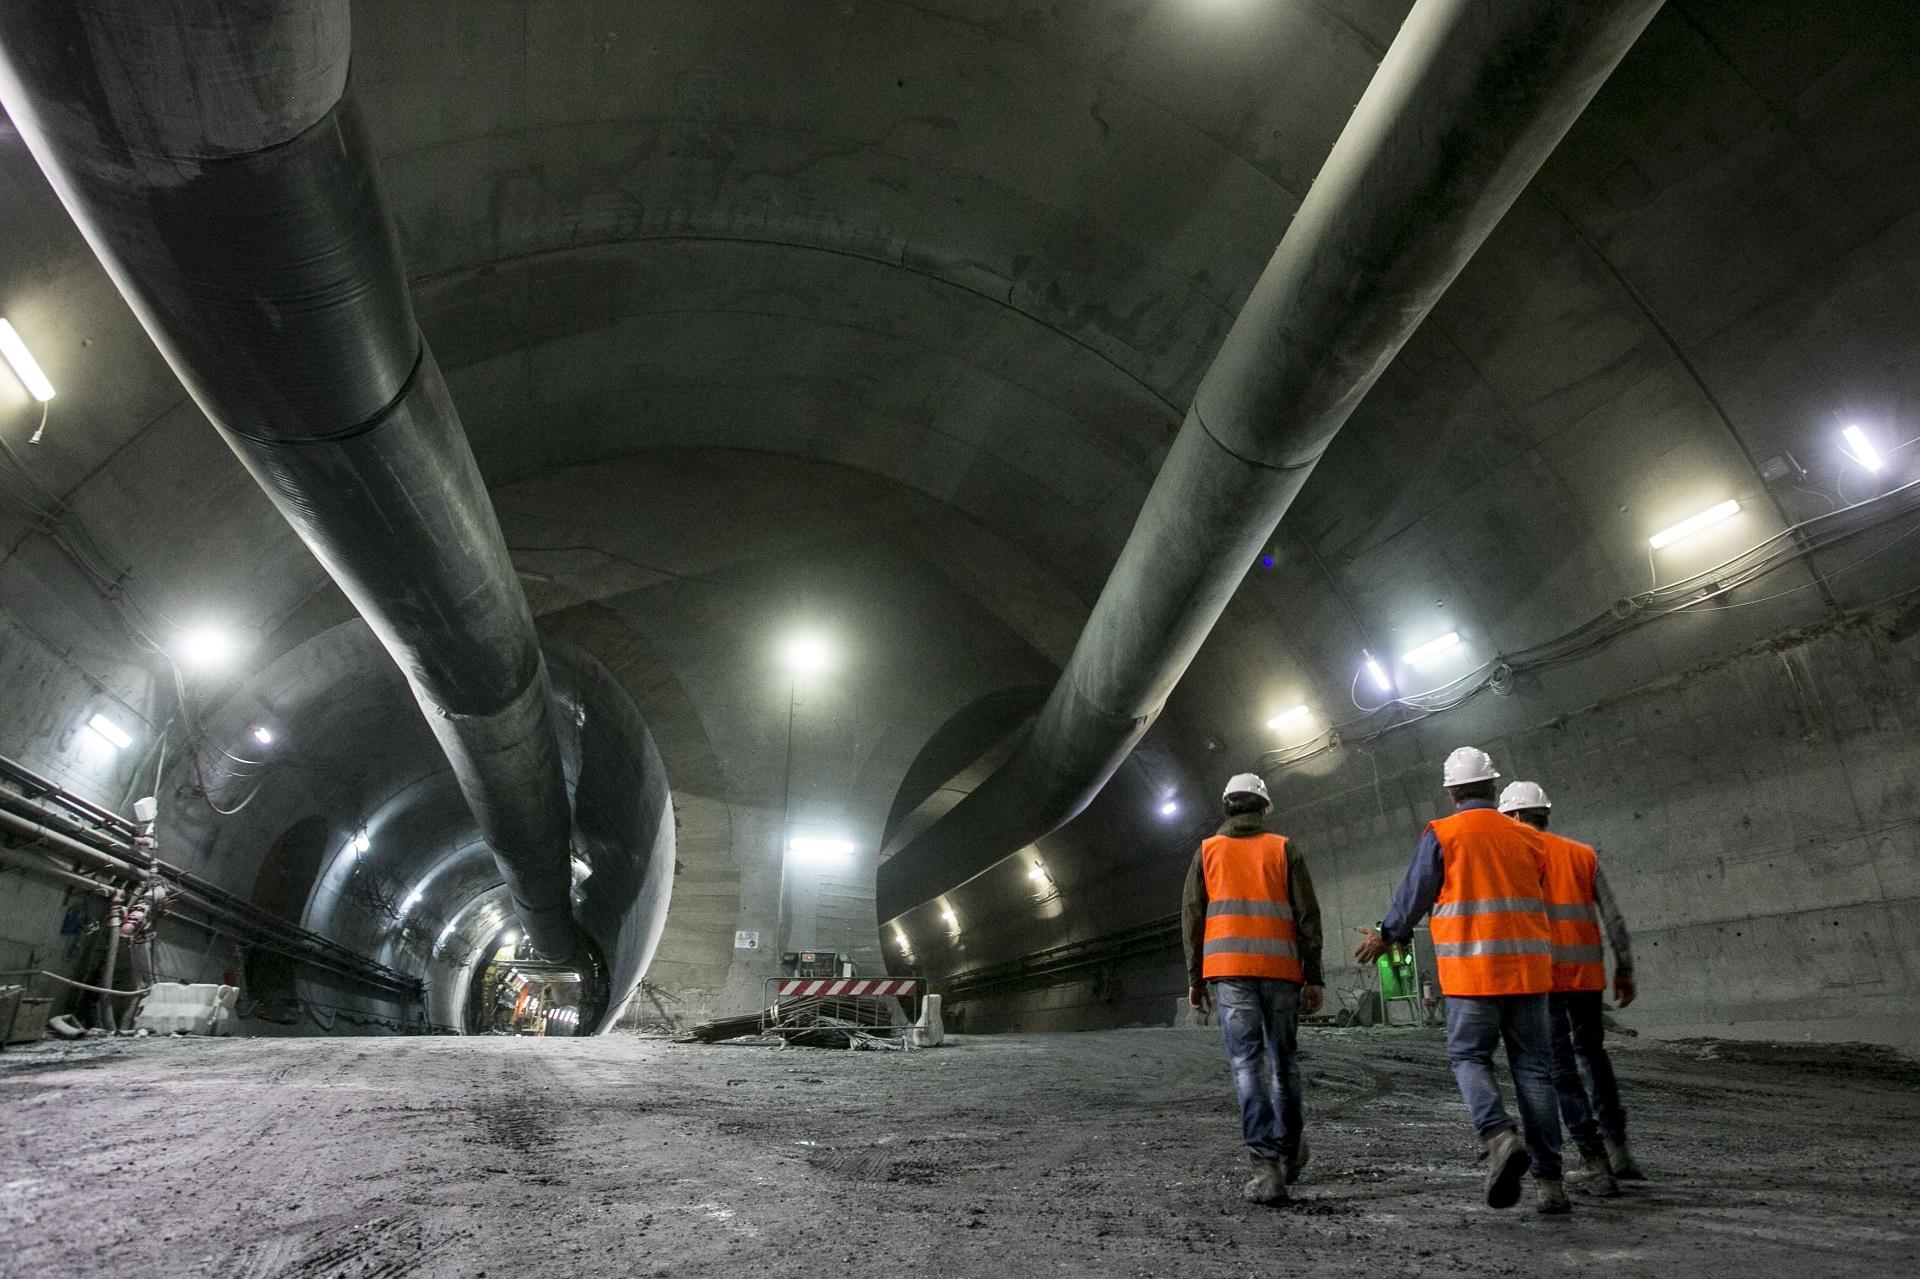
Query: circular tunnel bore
{"x":515,"y":992}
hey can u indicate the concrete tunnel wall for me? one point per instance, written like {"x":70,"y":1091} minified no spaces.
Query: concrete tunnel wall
{"x":898,"y":351}
{"x":1756,"y":817}
{"x":350,"y":756}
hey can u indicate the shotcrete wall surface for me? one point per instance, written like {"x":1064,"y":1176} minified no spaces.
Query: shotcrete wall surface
{"x":1755,"y":816}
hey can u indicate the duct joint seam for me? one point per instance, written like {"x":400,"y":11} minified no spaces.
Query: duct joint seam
{"x":1264,"y":465}
{"x":355,"y":430}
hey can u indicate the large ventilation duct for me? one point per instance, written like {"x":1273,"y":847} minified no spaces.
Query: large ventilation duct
{"x":212,"y":155}
{"x":1468,"y":103}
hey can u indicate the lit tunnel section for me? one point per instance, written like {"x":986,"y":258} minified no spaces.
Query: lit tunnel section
{"x":347,"y":821}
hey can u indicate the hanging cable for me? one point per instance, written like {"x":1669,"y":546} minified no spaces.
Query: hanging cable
{"x":1698,"y":590}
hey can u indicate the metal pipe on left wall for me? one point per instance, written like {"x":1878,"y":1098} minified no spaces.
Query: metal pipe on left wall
{"x":213,"y":156}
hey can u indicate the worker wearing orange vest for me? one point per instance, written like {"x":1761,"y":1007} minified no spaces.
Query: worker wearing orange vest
{"x":1252,"y":929}
{"x":1579,"y":903}
{"x":1484,"y":878}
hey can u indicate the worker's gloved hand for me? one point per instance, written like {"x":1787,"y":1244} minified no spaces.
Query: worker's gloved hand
{"x":1370,"y":949}
{"x":1623,"y":989}
{"x":1311,"y":999}
{"x":1199,"y":998}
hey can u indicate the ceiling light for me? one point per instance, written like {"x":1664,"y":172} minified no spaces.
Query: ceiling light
{"x":1431,"y":649}
{"x":946,"y":913}
{"x":413,"y":899}
{"x":810,"y":851}
{"x":1169,"y":808}
{"x":362,"y":842}
{"x":263,"y":735}
{"x":205,"y":647}
{"x":444,"y":934}
{"x":509,"y":938}
{"x":1379,"y":674}
{"x":1861,"y":449}
{"x":1037,"y":874}
{"x":1287,"y":717}
{"x":119,"y":736}
{"x":1693,"y":524}
{"x":25,"y":367}
{"x":806,"y":654}
{"x":900,"y":938}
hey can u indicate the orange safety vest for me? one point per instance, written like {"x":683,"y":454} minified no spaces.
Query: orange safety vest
{"x":1250,"y":930}
{"x":1490,"y":930}
{"x":1578,"y":961}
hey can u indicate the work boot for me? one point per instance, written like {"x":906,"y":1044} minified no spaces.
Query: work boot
{"x":1550,"y":1196}
{"x":1267,"y":1185}
{"x":1297,"y":1160}
{"x":1506,"y":1164}
{"x":1595,"y":1176}
{"x":1620,"y":1159}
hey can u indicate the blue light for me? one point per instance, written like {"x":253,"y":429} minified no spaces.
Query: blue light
{"x":1266,"y":561}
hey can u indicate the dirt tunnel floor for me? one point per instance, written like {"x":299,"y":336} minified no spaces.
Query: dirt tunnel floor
{"x":1093,"y":1154}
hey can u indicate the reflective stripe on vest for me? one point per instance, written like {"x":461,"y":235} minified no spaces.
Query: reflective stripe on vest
{"x":1250,"y":929}
{"x":1491,"y":935}
{"x":1579,"y":962}
{"x":1247,"y":906}
{"x":1495,"y":906}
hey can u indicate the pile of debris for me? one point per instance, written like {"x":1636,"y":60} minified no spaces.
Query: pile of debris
{"x":811,"y":1023}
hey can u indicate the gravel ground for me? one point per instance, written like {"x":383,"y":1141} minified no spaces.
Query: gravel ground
{"x":1095,"y":1154}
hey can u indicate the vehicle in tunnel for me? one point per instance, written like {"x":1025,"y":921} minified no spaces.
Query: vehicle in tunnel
{"x":520,"y":522}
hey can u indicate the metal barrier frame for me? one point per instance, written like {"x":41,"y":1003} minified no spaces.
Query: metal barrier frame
{"x":865,"y":1002}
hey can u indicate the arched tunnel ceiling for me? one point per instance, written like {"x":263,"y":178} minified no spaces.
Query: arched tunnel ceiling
{"x":959,"y":268}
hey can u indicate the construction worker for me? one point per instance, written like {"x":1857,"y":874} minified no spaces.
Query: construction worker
{"x":1252,"y":928}
{"x":1579,"y":903}
{"x":1484,"y":877}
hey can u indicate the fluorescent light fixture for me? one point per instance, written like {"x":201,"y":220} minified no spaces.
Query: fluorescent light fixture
{"x":263,"y":734}
{"x":1693,"y":524}
{"x":1169,"y":808}
{"x":946,"y":913}
{"x":806,"y":654}
{"x":1431,"y":649}
{"x":25,"y":367}
{"x":1287,"y":717}
{"x":810,"y":851}
{"x":1861,"y":449}
{"x":1378,"y":672}
{"x":1038,"y":874}
{"x":205,"y":647}
{"x":119,"y":736}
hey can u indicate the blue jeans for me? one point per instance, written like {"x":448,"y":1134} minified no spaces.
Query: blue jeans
{"x":1476,"y":1026}
{"x":1591,"y":1108}
{"x":1259,"y":1019}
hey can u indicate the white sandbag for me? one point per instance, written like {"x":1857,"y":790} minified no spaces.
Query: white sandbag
{"x":930,"y":1030}
{"x":180,"y":1008}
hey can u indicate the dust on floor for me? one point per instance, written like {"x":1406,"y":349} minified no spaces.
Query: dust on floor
{"x":1093,"y":1154}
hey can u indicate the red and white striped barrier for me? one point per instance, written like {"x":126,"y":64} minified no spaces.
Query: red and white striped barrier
{"x":846,"y":987}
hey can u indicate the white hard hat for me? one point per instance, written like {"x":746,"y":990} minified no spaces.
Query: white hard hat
{"x":1519,"y":795}
{"x":1467,"y":765}
{"x":1246,"y":784}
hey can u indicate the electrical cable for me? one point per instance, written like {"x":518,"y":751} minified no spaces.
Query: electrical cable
{"x":1696,"y":591}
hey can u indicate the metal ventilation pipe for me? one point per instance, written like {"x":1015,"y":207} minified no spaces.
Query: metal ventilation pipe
{"x":212,"y":155}
{"x":1468,"y":103}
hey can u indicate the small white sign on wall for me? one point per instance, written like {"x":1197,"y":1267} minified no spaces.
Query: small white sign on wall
{"x":746,"y":941}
